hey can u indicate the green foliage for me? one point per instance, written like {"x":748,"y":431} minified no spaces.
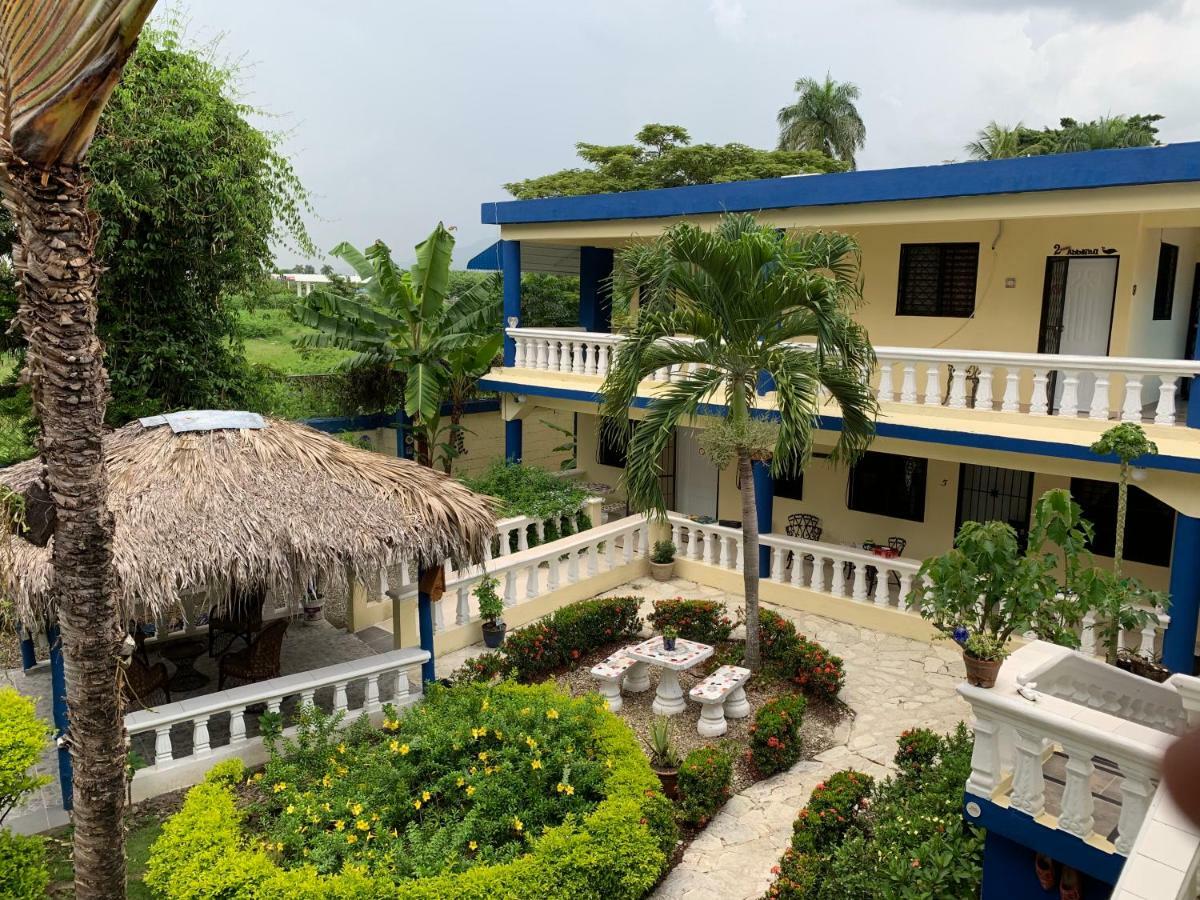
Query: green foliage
{"x":18,"y":427}
{"x":704,"y":780}
{"x":775,"y":734}
{"x":824,"y":119}
{"x":722,"y":441}
{"x":663,"y":552}
{"x":908,"y":841}
{"x":986,"y":586}
{"x":570,"y":446}
{"x":696,"y":620}
{"x":526,"y":490}
{"x":585,"y":822}
{"x":916,"y":750}
{"x":662,"y":751}
{"x":663,"y":156}
{"x":23,"y":738}
{"x":1128,"y":442}
{"x":23,"y":871}
{"x":819,"y":673}
{"x":484,"y":667}
{"x":409,"y":322}
{"x":491,"y":604}
{"x":561,"y":638}
{"x":996,"y":141}
{"x":192,"y":200}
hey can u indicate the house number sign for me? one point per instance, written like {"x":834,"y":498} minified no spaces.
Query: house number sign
{"x":1068,"y":250}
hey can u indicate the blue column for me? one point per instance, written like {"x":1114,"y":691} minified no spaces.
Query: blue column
{"x":1179,"y":643}
{"x":510,"y":265}
{"x":58,"y":703}
{"x":764,"y":500}
{"x":425,"y":632}
{"x":765,"y":384}
{"x":595,"y":290}
{"x":513,"y":436}
{"x":1193,"y":410}
{"x":403,"y":433}
{"x":28,"y":652}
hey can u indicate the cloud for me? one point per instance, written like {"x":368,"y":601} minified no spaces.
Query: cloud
{"x":729,"y":15}
{"x":1111,"y":10}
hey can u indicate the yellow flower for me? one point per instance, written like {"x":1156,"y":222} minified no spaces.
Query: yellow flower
{"x":341,"y":748}
{"x":425,"y":796}
{"x":404,"y":749}
{"x":342,"y":770}
{"x":472,"y":846}
{"x":461,"y":781}
{"x":525,"y":710}
{"x":536,"y":764}
{"x":314,"y":818}
{"x":570,"y":790}
{"x":518,"y":824}
{"x":258,"y":776}
{"x":478,"y":732}
{"x":391,"y":724}
{"x":356,"y":808}
{"x":552,"y":714}
{"x":326,"y":781}
{"x":339,"y":825}
{"x":394,"y":746}
{"x":416,"y":804}
{"x":499,"y":735}
{"x":561,"y":787}
{"x":279,"y":787}
{"x":485,"y":705}
{"x":290,"y":809}
{"x":531,"y":742}
{"x":472,"y":770}
{"x":483,"y":755}
{"x":325,"y":806}
{"x":470,"y":789}
{"x":362,"y":825}
{"x":352,"y":839}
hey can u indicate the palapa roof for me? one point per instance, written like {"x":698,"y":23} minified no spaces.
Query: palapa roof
{"x":280,"y":504}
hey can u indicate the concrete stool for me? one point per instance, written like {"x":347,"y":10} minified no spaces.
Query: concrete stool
{"x":721,"y":693}
{"x":612,"y":671}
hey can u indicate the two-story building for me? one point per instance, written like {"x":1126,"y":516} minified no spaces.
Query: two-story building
{"x":1018,"y":309}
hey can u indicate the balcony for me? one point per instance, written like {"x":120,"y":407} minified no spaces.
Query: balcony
{"x":937,"y":387}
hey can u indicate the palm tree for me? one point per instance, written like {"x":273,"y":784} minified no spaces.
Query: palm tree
{"x":1106,"y":133}
{"x":409,"y":322}
{"x":1127,"y":442}
{"x":823,"y":118}
{"x":743,"y":295}
{"x":996,"y":141}
{"x":59,"y":62}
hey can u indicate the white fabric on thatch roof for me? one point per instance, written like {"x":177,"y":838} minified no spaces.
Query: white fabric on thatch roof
{"x":282,"y":505}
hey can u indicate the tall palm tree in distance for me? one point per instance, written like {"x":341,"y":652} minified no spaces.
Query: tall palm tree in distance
{"x":823,"y":118}
{"x":59,"y":63}
{"x":723,"y":309}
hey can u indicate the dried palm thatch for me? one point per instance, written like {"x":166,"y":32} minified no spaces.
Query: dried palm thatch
{"x":277,"y":506}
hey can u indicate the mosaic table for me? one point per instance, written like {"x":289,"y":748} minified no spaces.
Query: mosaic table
{"x":668,"y":699}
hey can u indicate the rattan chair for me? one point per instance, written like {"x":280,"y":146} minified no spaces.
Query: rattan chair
{"x":242,"y":620}
{"x":257,"y":662}
{"x":142,"y":681}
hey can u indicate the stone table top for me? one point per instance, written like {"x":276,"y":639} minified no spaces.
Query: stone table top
{"x":685,"y":655}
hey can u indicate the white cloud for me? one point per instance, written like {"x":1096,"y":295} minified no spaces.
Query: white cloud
{"x":729,"y":15}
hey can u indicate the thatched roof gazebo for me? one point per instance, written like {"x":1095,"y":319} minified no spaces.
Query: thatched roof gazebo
{"x":206,"y":499}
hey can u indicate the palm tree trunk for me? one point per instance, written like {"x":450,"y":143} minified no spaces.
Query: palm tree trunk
{"x":750,"y":559}
{"x":58,"y":272}
{"x":1122,"y":504}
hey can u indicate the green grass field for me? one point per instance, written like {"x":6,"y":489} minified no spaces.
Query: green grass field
{"x":142,"y":834}
{"x":269,"y":333}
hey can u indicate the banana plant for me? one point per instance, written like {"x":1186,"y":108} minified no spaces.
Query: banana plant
{"x":59,"y":63}
{"x":408,"y":321}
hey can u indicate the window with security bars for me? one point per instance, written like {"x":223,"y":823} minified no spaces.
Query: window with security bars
{"x":1164,"y":288}
{"x":888,"y":485}
{"x":937,"y":279}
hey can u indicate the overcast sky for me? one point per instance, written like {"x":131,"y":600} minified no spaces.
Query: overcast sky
{"x":401,"y":113}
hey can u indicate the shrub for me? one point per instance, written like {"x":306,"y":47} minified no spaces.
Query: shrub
{"x":831,"y":810}
{"x":528,"y":491}
{"x":23,"y":737}
{"x":916,"y":751}
{"x":777,"y":636}
{"x":696,"y":620}
{"x":443,"y":802}
{"x":664,"y":552}
{"x":775,"y":734}
{"x":703,"y":783}
{"x":484,"y":667}
{"x":797,"y":877}
{"x":569,"y":633}
{"x":818,"y":672}
{"x":23,"y":871}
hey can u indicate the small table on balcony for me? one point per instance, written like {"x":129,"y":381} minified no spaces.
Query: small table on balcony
{"x":668,"y":699}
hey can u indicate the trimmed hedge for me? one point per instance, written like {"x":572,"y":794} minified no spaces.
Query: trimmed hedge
{"x":618,"y":849}
{"x":805,"y":662}
{"x":704,"y":779}
{"x":23,"y":871}
{"x":831,"y":810}
{"x":558,"y":640}
{"x":696,"y":620}
{"x":775,"y":734}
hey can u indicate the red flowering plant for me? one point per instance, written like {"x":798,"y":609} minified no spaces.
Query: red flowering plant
{"x":818,"y":672}
{"x":916,"y":750}
{"x":775,"y":734}
{"x":831,"y":810}
{"x":703,"y":783}
{"x":696,"y":620}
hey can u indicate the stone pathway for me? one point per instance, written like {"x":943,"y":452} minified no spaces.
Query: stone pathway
{"x":891,"y":683}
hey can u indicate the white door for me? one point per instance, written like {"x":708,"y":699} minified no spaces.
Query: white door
{"x":1087,"y":317}
{"x":695,"y":476}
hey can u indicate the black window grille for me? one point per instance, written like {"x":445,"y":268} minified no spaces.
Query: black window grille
{"x":1149,"y":523}
{"x":1164,"y":287}
{"x":612,"y":445}
{"x":937,"y":279}
{"x":888,"y":485}
{"x":790,"y":487}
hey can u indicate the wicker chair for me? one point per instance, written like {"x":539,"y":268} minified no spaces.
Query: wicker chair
{"x":257,"y":662}
{"x":243,"y":620}
{"x":142,"y":681}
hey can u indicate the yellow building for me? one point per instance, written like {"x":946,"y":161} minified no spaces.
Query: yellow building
{"x":1018,"y":308}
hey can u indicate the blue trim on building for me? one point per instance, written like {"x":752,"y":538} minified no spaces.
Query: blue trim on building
{"x":510,"y":257}
{"x":338,"y":424}
{"x":487,"y":260}
{"x":1009,"y":874}
{"x":514,"y":437}
{"x":1032,"y":174}
{"x":764,"y":508}
{"x":885,"y":429}
{"x":1179,"y":642}
{"x":425,"y":633}
{"x":28,"y":650}
{"x":1058,"y":845}
{"x":595,"y":288}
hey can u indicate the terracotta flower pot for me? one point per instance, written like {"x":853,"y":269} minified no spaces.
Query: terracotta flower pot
{"x":662,"y":571}
{"x":668,"y":778}
{"x":981,"y":672}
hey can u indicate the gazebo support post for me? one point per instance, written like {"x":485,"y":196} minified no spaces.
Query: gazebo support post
{"x":28,"y":651}
{"x":58,"y":701}
{"x":425,"y":622}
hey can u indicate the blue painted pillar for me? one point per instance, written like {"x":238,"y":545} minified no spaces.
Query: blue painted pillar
{"x":1179,"y":643}
{"x":513,"y":437}
{"x":403,"y":433}
{"x":425,"y":628}
{"x":765,"y":384}
{"x":510,"y":265}
{"x":28,"y":652}
{"x":595,"y":290}
{"x":58,"y":702}
{"x":764,"y":500}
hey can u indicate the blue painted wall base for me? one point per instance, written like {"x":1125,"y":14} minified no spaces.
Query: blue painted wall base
{"x":510,"y":262}
{"x":764,"y":503}
{"x":425,"y":632}
{"x":58,"y":702}
{"x":1008,"y":874}
{"x":513,"y":440}
{"x":1179,"y":643}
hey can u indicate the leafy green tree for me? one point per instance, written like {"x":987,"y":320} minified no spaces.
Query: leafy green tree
{"x":744,"y":294}
{"x":408,"y":321}
{"x":663,"y":156}
{"x":823,"y":118}
{"x":1128,"y":442}
{"x":996,"y":141}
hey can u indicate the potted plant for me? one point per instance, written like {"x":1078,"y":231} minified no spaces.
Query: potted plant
{"x":491,"y":608}
{"x":669,"y":636}
{"x":662,"y":561}
{"x":663,"y":758}
{"x":313,"y":605}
